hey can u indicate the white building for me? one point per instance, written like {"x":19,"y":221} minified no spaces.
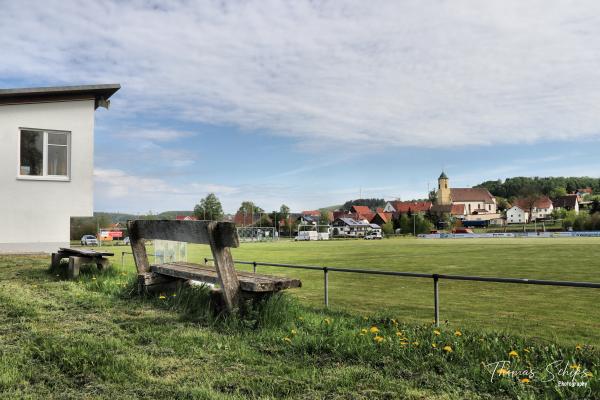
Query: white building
{"x":516,"y":215}
{"x":46,"y":163}
{"x":539,"y":209}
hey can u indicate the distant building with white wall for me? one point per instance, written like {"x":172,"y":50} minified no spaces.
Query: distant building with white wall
{"x":516,"y":215}
{"x":46,"y":163}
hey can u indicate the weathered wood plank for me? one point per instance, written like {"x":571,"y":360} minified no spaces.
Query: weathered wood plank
{"x":230,"y":285}
{"x":185,"y":231}
{"x":248,"y":281}
{"x":86,"y":253}
{"x":138,"y":248}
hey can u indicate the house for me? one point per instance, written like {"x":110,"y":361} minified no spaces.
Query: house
{"x":349,"y":227}
{"x":584,"y":191}
{"x":312,"y":213}
{"x":46,"y":163}
{"x":246,"y":219}
{"x":568,"y":202}
{"x":381,"y":218}
{"x":186,"y":218}
{"x":541,"y":208}
{"x":407,"y":207}
{"x":517,"y":215}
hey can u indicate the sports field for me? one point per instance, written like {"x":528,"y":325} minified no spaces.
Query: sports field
{"x":564,"y":314}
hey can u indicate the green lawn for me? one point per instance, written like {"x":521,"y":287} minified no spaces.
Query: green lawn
{"x":96,"y":338}
{"x":566,"y":314}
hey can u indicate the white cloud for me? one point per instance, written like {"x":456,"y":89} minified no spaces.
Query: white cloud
{"x":155,"y":135}
{"x":432,"y":74}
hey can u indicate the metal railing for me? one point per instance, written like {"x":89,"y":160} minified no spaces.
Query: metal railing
{"x":436,"y":279}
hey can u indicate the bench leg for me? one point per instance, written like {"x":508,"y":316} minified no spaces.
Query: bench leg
{"x":102,"y":263}
{"x":74,"y":265}
{"x":55,"y":260}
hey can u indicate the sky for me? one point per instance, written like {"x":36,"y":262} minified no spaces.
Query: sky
{"x":313,"y":103}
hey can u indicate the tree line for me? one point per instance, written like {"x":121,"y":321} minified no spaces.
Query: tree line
{"x":548,"y":186}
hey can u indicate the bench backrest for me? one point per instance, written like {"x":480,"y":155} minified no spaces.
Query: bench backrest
{"x":219,"y":235}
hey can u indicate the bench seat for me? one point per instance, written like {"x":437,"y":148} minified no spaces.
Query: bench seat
{"x":249,"y":282}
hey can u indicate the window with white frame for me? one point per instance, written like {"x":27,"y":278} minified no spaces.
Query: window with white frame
{"x":44,"y":153}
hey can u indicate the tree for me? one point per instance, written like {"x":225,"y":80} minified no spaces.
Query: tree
{"x":388,"y":228}
{"x":502,"y":204}
{"x":324,"y":218}
{"x":250,"y":208}
{"x":530,"y":197}
{"x":209,"y":208}
{"x":284,"y":211}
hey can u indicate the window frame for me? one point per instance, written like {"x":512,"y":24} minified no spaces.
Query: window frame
{"x":44,"y":176}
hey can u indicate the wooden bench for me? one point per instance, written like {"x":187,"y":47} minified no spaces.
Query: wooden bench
{"x":221,"y":236}
{"x":79,"y":256}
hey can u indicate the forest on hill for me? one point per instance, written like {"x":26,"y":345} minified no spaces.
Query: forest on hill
{"x":548,"y":186}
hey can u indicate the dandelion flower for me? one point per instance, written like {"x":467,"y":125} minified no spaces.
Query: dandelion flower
{"x":447,"y":349}
{"x":502,"y":371}
{"x":327,"y":321}
{"x":162,"y":297}
{"x":378,"y":339}
{"x":416,"y":343}
{"x":437,"y":333}
{"x":575,"y":366}
{"x":287,"y":339}
{"x":513,"y":354}
{"x":458,"y":333}
{"x":293,"y":332}
{"x":524,"y":380}
{"x":364,"y":331}
{"x":434,"y":345}
{"x":578,"y":347}
{"x":399,"y":333}
{"x":589,"y":374}
{"x":374,"y":329}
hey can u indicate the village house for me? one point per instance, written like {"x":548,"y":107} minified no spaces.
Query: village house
{"x":517,"y":215}
{"x":46,"y":163}
{"x":350,"y":227}
{"x":568,"y":202}
{"x":537,"y":210}
{"x":407,"y":207}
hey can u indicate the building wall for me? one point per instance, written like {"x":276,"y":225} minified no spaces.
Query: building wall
{"x":35,"y":214}
{"x":471,"y":206}
{"x":516,"y":215}
{"x":443,"y":194}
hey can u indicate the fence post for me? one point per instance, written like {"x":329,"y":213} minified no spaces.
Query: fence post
{"x":326,"y":284}
{"x":254,"y":266}
{"x":205,"y":260}
{"x":122,"y":261}
{"x":436,"y":299}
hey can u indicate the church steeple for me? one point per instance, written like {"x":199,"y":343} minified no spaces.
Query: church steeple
{"x":443,"y":194}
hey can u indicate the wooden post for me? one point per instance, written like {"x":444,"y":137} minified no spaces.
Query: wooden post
{"x":139,"y":249}
{"x":102,"y":263}
{"x":230,"y":285}
{"x":74,"y":264}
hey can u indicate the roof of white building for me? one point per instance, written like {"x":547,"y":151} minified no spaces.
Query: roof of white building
{"x":101,"y":94}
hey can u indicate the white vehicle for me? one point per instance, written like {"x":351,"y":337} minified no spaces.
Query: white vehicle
{"x":89,"y":240}
{"x":307,"y":235}
{"x":373,"y":235}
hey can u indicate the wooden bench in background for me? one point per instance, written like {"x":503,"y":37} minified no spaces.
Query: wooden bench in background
{"x":220,"y":236}
{"x":79,"y":256}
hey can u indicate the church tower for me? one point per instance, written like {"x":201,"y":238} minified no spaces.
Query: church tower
{"x":443,"y":194}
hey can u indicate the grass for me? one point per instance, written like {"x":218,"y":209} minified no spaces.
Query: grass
{"x":95,"y":338}
{"x":562,"y":314}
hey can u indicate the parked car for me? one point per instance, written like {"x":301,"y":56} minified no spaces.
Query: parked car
{"x":89,"y":240}
{"x":373,"y":235}
{"x":126,"y":241}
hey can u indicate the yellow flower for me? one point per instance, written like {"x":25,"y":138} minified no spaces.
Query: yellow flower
{"x":378,"y":339}
{"x":578,"y":347}
{"x":403,"y":343}
{"x":293,"y":332}
{"x":502,"y":371}
{"x":447,"y":349}
{"x":524,"y":380}
{"x":575,"y":366}
{"x":416,"y":343}
{"x":374,"y":329}
{"x":394,"y":322}
{"x":174,"y":295}
{"x":589,"y":374}
{"x":437,"y":333}
{"x":399,"y":333}
{"x":327,"y":321}
{"x":513,"y":354}
{"x":162,"y":297}
{"x":364,"y":331}
{"x":287,"y":339}
{"x":434,"y":345}
{"x":458,"y":333}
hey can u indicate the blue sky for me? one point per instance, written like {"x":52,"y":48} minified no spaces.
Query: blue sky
{"x":311,"y":104}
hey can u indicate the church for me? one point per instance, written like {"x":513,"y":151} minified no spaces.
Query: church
{"x":464,"y":203}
